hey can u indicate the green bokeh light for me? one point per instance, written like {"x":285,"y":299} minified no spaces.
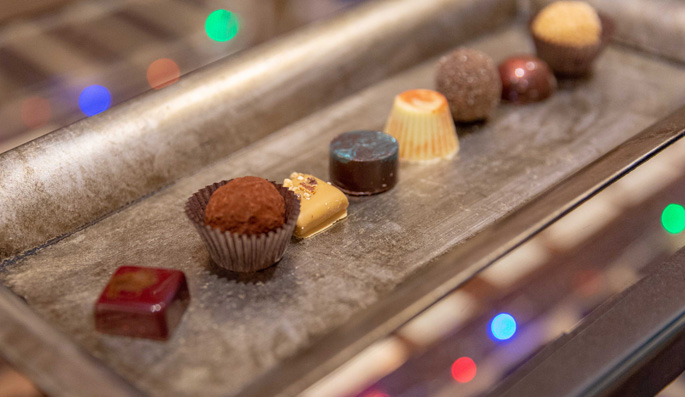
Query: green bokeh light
{"x":222,"y":25}
{"x":673,"y":218}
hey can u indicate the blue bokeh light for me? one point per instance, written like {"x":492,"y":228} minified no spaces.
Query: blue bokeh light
{"x":94,"y":99}
{"x":503,"y":326}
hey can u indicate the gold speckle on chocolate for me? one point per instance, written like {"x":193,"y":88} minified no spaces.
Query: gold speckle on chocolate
{"x":134,"y":282}
{"x":321,"y":204}
{"x":305,"y":188}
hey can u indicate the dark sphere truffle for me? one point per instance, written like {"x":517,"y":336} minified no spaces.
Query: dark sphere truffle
{"x":526,"y":79}
{"x":247,"y":205}
{"x":470,"y":81}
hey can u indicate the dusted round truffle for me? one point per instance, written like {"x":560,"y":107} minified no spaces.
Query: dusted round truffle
{"x":247,"y":205}
{"x":570,"y":23}
{"x":470,"y":82}
{"x":526,"y":79}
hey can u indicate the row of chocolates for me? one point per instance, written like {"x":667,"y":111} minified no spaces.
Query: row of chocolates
{"x":247,"y":223}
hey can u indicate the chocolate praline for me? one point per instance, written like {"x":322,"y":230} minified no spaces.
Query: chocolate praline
{"x":142,"y":302}
{"x":526,"y":79}
{"x":364,"y":162}
{"x":469,"y":80}
{"x":569,"y":36}
{"x":246,"y":205}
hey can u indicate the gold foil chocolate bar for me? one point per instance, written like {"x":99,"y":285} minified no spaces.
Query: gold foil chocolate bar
{"x":321,"y":204}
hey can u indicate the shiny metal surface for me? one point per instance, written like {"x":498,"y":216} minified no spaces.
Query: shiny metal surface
{"x":83,"y":172}
{"x":53,"y":51}
{"x":281,"y":330}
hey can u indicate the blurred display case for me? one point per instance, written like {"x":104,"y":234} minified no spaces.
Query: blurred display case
{"x":53,"y":51}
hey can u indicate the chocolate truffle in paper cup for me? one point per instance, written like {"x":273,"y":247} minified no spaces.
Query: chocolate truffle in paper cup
{"x":569,"y":35}
{"x":245,"y":223}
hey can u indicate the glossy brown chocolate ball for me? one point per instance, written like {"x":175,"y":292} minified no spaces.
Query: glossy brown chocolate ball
{"x":526,"y":79}
{"x":469,"y":80}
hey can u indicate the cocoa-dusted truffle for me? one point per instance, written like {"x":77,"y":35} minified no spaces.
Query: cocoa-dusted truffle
{"x":470,"y":81}
{"x":247,"y":205}
{"x":242,"y":252}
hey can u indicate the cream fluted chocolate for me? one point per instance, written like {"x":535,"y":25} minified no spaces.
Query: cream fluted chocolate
{"x":363,"y":162}
{"x":421,"y":122}
{"x":321,"y":204}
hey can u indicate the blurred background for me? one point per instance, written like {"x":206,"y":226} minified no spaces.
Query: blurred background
{"x":63,"y":60}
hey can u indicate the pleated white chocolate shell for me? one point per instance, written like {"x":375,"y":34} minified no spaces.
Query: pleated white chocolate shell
{"x":423,"y":136}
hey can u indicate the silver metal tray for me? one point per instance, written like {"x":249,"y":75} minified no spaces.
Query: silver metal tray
{"x":65,"y":233}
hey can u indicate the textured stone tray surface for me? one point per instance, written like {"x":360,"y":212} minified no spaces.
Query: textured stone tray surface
{"x":239,"y":326}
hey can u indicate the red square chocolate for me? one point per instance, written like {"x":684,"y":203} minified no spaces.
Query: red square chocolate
{"x":142,"y":302}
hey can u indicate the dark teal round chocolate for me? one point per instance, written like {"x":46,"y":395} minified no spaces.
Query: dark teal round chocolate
{"x":364,"y":162}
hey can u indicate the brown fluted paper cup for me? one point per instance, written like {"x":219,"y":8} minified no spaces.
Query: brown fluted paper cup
{"x":242,"y":252}
{"x":569,"y":61}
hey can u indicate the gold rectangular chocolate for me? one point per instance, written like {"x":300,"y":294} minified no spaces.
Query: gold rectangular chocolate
{"x":321,"y":204}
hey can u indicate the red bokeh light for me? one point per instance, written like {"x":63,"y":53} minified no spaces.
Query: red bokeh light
{"x":163,"y":72}
{"x":588,"y":282}
{"x":35,"y":112}
{"x":464,"y":370}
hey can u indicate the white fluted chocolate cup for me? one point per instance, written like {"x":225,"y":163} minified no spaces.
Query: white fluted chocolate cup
{"x":421,"y":122}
